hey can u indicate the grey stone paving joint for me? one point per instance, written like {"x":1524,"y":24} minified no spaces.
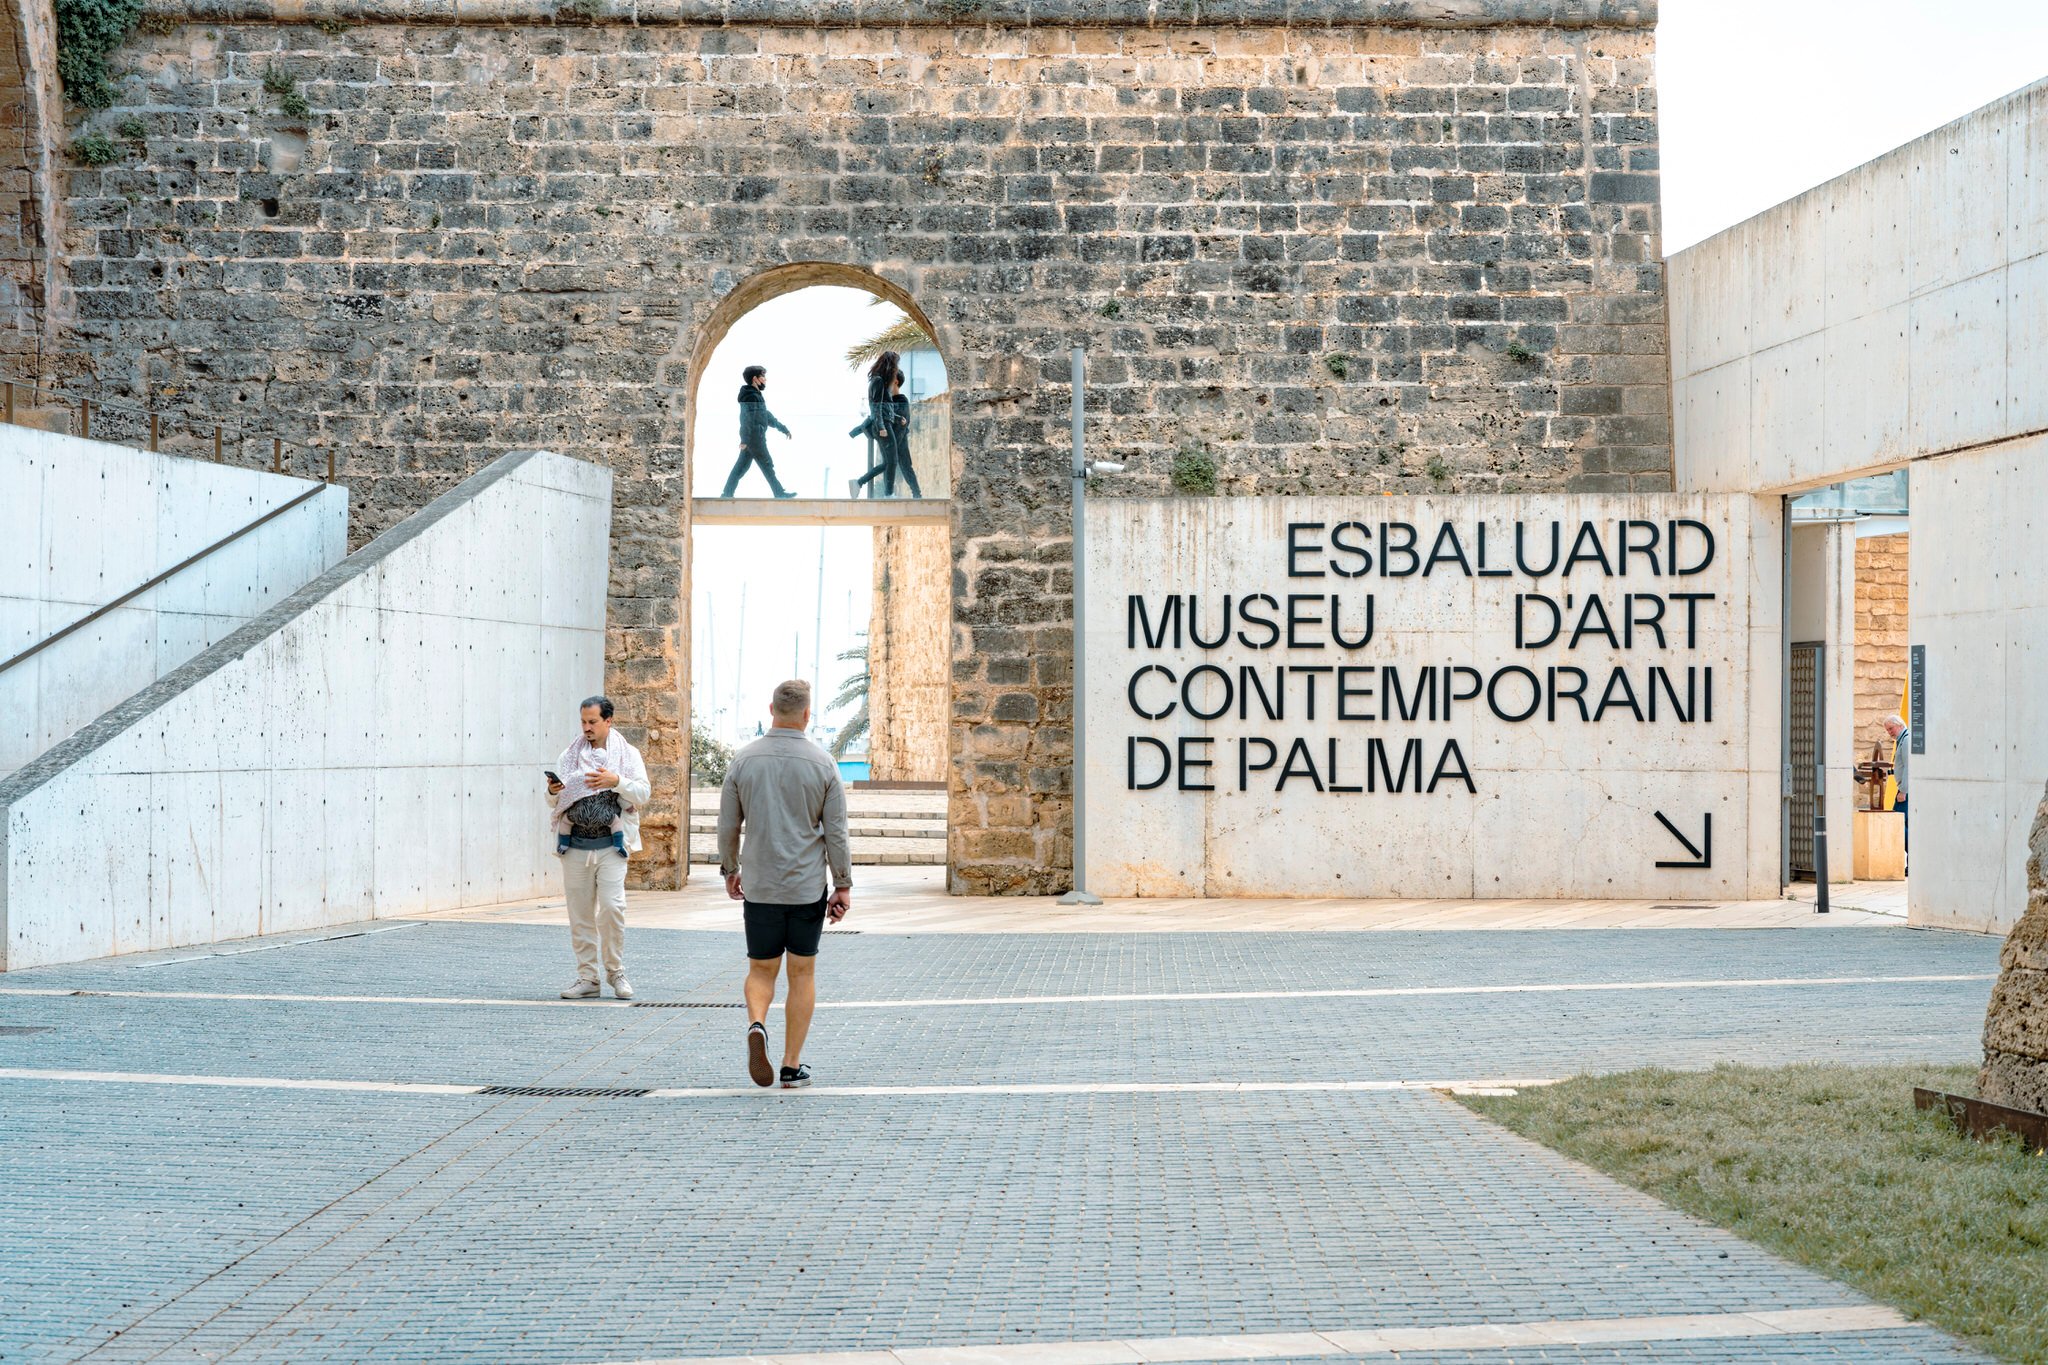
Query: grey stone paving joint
{"x":312,"y":1226}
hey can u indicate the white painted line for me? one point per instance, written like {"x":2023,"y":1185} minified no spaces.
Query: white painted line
{"x":1379,"y":992}
{"x":1368,"y":1341}
{"x":271,"y":947}
{"x":19,"y":1073}
{"x":288,"y":998}
{"x":987,"y":1001}
{"x":1481,"y":1085}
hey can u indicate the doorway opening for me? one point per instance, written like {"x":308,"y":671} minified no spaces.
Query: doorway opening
{"x":829,"y":561}
{"x":1848,"y":667}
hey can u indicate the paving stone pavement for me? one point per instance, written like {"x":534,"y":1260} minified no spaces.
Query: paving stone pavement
{"x":152,"y":1222}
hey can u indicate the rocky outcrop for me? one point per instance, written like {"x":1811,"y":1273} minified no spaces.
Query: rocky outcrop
{"x":2016,"y":1025}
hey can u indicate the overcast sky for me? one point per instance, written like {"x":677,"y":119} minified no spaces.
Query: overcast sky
{"x":1759,"y":100}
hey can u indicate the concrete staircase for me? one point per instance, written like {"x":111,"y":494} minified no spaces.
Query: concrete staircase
{"x":888,"y":828}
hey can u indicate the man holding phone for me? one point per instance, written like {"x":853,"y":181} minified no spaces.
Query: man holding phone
{"x":785,"y":792}
{"x":595,"y":793}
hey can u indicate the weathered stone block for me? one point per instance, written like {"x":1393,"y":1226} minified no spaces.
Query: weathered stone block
{"x":2015,"y":1068}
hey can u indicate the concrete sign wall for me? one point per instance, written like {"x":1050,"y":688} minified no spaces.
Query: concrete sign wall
{"x":1460,"y":696}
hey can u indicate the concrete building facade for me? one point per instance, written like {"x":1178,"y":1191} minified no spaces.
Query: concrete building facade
{"x":1894,"y":318}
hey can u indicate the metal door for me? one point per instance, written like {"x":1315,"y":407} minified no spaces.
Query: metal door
{"x":1804,"y":726}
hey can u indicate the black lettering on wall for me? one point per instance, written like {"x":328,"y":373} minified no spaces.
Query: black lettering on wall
{"x":1138,"y":622}
{"x":1405,"y":546}
{"x":1272,"y":624}
{"x":1706,"y":554}
{"x":1131,"y":782}
{"x":1340,"y":546}
{"x":1131,"y":692}
{"x":1295,"y":549}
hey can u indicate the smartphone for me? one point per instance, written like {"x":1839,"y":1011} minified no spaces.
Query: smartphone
{"x":550,"y":776}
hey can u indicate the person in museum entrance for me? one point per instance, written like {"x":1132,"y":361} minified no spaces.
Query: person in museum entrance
{"x":785,"y":793}
{"x":755,"y":420}
{"x":1902,"y":736}
{"x":595,"y":793}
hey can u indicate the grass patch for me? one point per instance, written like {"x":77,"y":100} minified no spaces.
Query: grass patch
{"x":1832,"y":1167}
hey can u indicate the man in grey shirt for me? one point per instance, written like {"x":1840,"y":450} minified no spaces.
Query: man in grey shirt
{"x":786,"y":793}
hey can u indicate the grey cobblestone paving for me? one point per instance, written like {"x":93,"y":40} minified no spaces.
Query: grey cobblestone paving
{"x":432,"y":958}
{"x":313,"y":1225}
{"x":1402,"y":1038}
{"x":1906,"y":1346}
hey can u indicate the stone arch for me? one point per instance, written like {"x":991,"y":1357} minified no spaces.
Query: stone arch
{"x":31,"y":111}
{"x":750,"y":293}
{"x":772,"y":283}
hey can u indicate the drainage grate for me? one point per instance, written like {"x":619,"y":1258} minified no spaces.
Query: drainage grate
{"x":1685,"y":907}
{"x":842,"y":931}
{"x":16,"y":1030}
{"x":566,"y":1092}
{"x":688,"y":1005}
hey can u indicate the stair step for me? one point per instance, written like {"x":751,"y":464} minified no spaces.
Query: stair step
{"x":858,"y":829}
{"x":865,"y":852}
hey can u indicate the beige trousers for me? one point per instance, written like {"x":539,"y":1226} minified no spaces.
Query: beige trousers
{"x":594,"y":882}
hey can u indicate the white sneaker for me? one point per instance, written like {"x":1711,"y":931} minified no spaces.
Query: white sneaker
{"x":853,"y":488}
{"x":622,"y":988}
{"x":582,"y":990}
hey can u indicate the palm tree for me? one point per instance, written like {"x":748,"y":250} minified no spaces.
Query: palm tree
{"x":900,"y":335}
{"x":854,"y":688}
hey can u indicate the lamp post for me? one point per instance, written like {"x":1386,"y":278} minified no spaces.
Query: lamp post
{"x":1082,"y":468}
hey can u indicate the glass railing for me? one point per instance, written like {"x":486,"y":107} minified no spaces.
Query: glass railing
{"x":830,"y":452}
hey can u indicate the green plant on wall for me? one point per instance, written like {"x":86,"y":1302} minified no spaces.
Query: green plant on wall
{"x":283,"y":82}
{"x":95,"y":149}
{"x":88,"y":30}
{"x":1193,"y":471}
{"x":1339,"y":365}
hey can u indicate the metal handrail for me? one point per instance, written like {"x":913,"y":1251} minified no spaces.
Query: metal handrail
{"x":179,"y":567}
{"x":87,"y":406}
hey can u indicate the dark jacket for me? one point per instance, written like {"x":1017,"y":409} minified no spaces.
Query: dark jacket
{"x":888,"y":414}
{"x":755,"y":419}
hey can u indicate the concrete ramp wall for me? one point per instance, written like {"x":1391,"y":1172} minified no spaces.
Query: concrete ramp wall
{"x":85,"y":522}
{"x":372,"y":746}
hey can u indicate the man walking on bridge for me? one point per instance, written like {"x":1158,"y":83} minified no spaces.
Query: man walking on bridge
{"x":755,"y":420}
{"x":785,"y":792}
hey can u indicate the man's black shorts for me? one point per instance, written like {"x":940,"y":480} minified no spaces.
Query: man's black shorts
{"x":773,"y":930}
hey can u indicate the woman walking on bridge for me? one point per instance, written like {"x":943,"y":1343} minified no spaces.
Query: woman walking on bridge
{"x":888,"y":425}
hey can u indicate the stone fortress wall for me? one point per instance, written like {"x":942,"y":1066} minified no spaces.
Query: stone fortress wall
{"x":1333,"y":247}
{"x":1880,"y":636}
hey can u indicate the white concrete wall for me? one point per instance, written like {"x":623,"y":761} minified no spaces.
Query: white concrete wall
{"x":1896,"y":311}
{"x":1899,"y":315}
{"x":1562,"y":808}
{"x":1822,"y":600}
{"x":371,"y":747}
{"x":1979,"y":597}
{"x":82,"y":522}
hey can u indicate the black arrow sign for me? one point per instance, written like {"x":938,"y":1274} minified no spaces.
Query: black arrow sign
{"x":1702,"y":852}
